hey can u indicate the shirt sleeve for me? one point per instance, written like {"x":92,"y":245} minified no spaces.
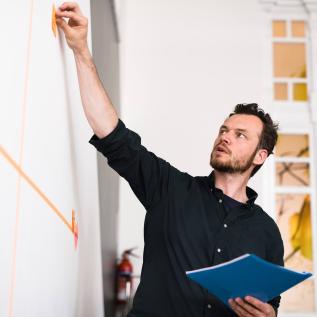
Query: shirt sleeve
{"x":146,"y":173}
{"x":276,"y":256}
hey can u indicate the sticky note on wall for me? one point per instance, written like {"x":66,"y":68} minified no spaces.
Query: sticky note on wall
{"x":54,"y":26}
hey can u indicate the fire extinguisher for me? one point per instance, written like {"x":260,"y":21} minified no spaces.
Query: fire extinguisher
{"x":124,"y":277}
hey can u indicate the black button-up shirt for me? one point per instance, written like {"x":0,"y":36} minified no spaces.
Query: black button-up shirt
{"x":186,"y":228}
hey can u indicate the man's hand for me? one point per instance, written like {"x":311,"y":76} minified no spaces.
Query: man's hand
{"x":251,"y":307}
{"x":76,"y":28}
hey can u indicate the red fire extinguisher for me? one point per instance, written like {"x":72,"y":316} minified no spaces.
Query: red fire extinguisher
{"x":124,"y":277}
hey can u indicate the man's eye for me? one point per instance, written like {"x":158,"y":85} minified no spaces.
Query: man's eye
{"x":241,"y":135}
{"x":222,"y":131}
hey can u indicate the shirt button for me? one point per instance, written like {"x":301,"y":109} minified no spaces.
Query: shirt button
{"x":220,"y":200}
{"x":218,"y":250}
{"x":209,"y":306}
{"x":225,"y":225}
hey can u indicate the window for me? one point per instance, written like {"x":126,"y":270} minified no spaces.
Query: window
{"x":293,"y":215}
{"x":289,"y":60}
{"x":290,"y":182}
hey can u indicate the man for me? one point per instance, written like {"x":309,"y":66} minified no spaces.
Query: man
{"x":191,"y":222}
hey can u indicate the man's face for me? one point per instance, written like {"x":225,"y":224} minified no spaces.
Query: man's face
{"x":236,"y":147}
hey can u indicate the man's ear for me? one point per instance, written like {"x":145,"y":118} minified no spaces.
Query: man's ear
{"x":260,"y":157}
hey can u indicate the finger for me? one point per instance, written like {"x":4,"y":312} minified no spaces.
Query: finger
{"x":263,"y":307}
{"x":238,"y":309}
{"x":256,"y":302}
{"x":252,"y":310}
{"x":70,"y":6}
{"x":63,"y":25}
{"x":71,"y":15}
{"x":67,"y":14}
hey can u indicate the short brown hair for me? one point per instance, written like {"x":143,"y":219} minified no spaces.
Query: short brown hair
{"x":268,"y":136}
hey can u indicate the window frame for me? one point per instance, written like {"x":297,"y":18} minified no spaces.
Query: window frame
{"x":295,"y":117}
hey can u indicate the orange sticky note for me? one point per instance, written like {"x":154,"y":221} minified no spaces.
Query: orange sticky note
{"x":54,"y":26}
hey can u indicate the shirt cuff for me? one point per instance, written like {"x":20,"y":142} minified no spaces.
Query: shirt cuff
{"x":115,"y":135}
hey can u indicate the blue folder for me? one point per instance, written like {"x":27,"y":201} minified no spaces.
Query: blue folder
{"x":247,"y":275}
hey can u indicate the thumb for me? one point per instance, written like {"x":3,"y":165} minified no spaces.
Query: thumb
{"x":63,"y":25}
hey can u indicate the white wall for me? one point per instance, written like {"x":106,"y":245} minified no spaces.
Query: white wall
{"x":44,"y":130}
{"x":184,"y":66}
{"x":105,"y":50}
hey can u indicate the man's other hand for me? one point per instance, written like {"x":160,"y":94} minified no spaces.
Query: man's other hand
{"x":251,"y":307}
{"x":76,"y":28}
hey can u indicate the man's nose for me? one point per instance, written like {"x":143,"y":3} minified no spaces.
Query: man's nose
{"x":226,"y":138}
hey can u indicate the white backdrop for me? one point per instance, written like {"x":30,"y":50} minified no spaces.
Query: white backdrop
{"x":43,"y":130}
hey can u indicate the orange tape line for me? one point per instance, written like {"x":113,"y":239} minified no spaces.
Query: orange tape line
{"x":37,"y":189}
{"x":17,"y":212}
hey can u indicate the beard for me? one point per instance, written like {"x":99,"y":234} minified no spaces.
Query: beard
{"x":232,"y":165}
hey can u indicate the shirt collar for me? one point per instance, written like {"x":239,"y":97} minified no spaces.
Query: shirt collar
{"x":251,"y":194}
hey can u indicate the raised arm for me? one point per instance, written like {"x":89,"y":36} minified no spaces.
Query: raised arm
{"x":99,"y":111}
{"x":148,"y":175}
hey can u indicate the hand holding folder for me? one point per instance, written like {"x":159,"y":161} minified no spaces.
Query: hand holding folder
{"x":247,"y":275}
